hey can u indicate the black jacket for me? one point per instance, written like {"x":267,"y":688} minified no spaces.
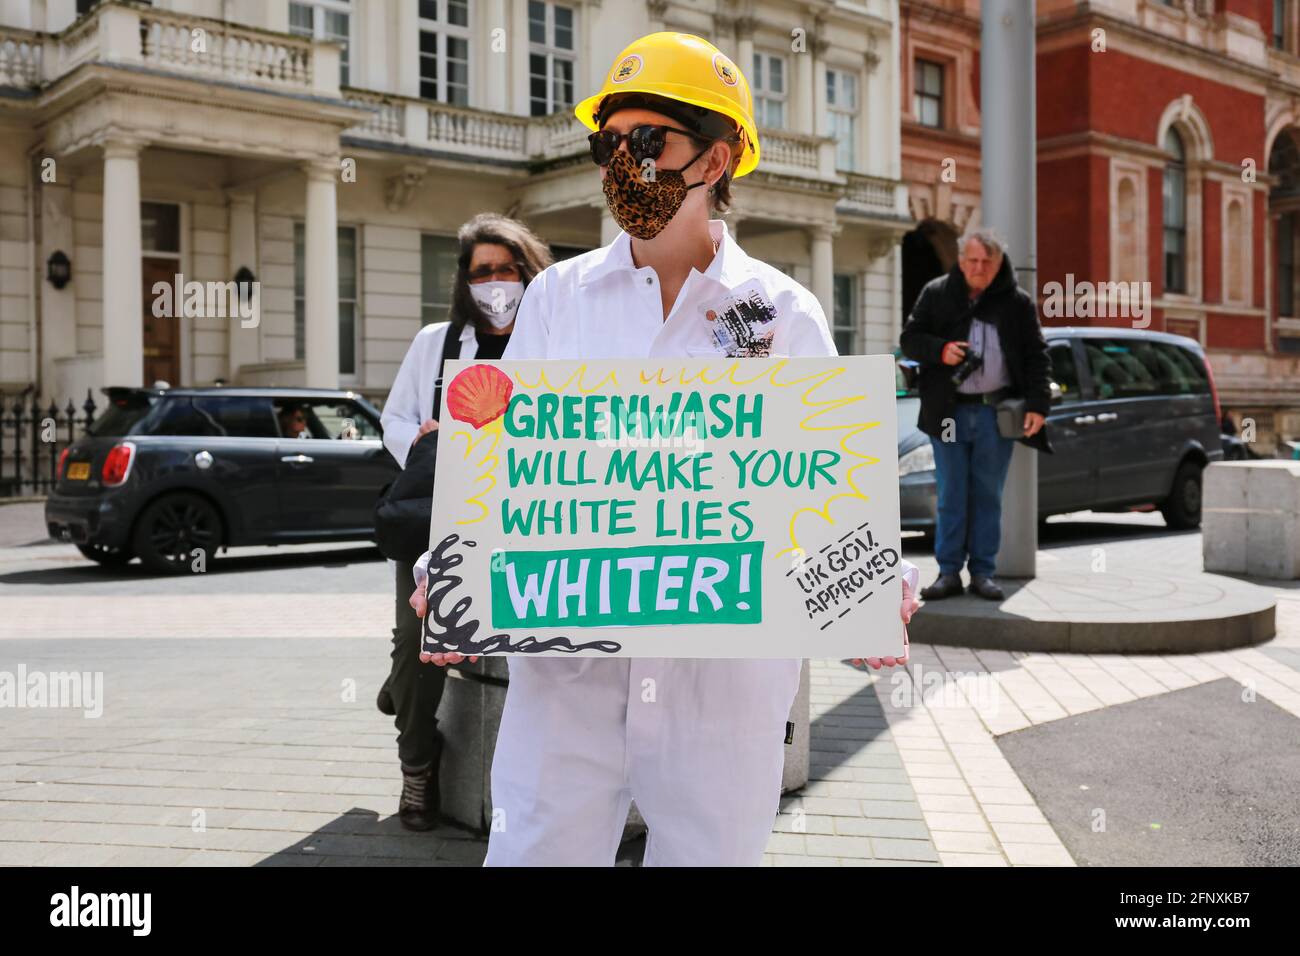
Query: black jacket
{"x":943,"y":313}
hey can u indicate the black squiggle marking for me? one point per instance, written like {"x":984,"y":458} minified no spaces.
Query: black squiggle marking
{"x":457,"y":634}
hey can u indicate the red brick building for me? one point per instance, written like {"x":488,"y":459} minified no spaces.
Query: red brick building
{"x":1168,"y":155}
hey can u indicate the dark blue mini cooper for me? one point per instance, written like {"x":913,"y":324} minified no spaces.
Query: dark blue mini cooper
{"x":165,"y":474}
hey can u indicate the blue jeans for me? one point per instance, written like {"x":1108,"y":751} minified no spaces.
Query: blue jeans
{"x":970,"y":472}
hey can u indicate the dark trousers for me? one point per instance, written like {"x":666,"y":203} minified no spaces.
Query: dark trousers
{"x":416,"y":688}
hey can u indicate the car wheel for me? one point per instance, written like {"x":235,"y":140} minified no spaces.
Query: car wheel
{"x":108,"y":557}
{"x":1182,"y":509}
{"x":172,"y":528}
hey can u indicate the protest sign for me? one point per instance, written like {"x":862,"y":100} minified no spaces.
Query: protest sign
{"x":651,"y":508}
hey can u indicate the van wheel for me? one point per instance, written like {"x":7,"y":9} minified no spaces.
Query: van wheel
{"x":108,"y":557}
{"x":172,"y":528}
{"x":1182,"y":509}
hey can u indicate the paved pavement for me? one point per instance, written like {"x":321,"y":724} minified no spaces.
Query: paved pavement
{"x":239,"y":725}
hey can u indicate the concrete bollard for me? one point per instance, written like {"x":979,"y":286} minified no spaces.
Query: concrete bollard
{"x":470,"y":716}
{"x":1250,"y":518}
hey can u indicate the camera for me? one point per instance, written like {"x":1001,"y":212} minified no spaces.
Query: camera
{"x":970,"y":363}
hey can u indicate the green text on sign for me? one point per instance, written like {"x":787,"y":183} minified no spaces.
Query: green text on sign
{"x":603,"y":587}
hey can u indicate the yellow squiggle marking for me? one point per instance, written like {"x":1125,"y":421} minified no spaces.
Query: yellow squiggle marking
{"x":488,"y":463}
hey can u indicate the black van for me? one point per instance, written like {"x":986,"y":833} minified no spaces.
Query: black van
{"x":1135,"y":420}
{"x":165,"y":472}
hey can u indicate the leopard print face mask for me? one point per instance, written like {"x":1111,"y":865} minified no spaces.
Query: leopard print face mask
{"x":643,"y":206}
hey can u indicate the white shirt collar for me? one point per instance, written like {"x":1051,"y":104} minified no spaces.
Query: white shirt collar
{"x":730,"y":266}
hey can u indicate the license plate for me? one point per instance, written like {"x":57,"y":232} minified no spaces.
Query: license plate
{"x":79,"y":471}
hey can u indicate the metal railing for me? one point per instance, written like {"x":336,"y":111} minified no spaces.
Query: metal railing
{"x":32,"y":436}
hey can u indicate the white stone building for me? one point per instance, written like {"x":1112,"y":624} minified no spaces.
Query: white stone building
{"x":332,"y":148}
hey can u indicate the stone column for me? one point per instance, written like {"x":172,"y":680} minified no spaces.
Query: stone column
{"x":321,"y":325}
{"x":243,"y":346}
{"x":123,"y":300}
{"x":823,"y":267}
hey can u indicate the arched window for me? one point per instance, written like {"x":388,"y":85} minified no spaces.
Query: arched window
{"x":1175,"y":213}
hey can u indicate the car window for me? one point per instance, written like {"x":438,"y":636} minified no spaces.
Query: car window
{"x":1064,"y":371}
{"x":123,"y":416}
{"x":1117,"y":372}
{"x":178,"y":416}
{"x":1183,"y":371}
{"x":238,"y":416}
{"x":324,"y":418}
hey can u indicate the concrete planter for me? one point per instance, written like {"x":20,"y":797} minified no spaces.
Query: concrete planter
{"x":1251,"y":518}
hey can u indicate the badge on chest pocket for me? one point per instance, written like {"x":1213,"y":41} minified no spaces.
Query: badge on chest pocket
{"x":742,"y":322}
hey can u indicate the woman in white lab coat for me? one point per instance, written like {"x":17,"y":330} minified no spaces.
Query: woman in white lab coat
{"x":699,"y":744}
{"x":497,"y":259}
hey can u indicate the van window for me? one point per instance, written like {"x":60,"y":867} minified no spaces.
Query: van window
{"x":1182,"y":370}
{"x":1064,"y":372}
{"x":1118,"y":371}
{"x":238,"y":416}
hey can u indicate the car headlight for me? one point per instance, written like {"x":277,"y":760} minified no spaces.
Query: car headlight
{"x":920,"y":458}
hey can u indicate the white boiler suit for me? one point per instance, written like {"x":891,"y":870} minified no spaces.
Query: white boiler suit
{"x":698,"y":743}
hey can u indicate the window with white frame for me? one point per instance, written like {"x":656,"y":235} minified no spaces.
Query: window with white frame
{"x":842,"y":114}
{"x":552,"y":56}
{"x":444,"y":51}
{"x":844,"y":326}
{"x":438,"y":255}
{"x":927,"y":96}
{"x":1279,"y":24}
{"x":325,"y":20}
{"x":768,"y":85}
{"x":348,"y":328}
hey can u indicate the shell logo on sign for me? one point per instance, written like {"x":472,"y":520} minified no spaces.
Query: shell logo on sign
{"x":627,"y":68}
{"x":725,"y":69}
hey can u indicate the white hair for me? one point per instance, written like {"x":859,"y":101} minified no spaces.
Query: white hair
{"x":992,"y":242}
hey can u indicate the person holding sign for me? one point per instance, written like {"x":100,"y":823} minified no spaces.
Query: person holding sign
{"x":697,"y":742}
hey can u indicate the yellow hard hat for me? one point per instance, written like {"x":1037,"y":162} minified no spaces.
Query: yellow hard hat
{"x":686,"y":68}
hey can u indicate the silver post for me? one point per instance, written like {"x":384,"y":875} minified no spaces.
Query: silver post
{"x":1008,"y":184}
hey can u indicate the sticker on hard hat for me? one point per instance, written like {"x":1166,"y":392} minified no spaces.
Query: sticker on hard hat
{"x":725,"y":69}
{"x":627,"y":68}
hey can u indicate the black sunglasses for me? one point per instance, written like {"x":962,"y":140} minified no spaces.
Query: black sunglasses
{"x":643,"y":142}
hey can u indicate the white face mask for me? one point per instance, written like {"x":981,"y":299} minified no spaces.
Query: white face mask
{"x":498,"y":301}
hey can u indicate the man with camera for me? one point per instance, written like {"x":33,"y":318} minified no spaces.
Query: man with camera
{"x":984,"y":382}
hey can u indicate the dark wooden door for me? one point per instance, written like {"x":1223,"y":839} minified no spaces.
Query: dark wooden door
{"x":162,"y":334}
